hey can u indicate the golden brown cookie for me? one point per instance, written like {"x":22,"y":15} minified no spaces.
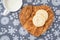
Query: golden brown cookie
{"x":26,"y":15}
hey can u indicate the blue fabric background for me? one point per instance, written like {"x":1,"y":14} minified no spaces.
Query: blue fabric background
{"x":11,"y":29}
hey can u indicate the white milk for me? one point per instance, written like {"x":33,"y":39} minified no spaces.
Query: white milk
{"x":13,"y":5}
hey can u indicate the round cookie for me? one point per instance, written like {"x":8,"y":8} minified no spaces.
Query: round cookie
{"x":26,"y":19}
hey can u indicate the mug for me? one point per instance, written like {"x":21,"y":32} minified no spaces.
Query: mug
{"x":7,"y":10}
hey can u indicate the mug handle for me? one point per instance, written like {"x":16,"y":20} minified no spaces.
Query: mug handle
{"x":6,"y":12}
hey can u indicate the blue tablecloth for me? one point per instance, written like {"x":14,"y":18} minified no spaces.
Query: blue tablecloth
{"x":11,"y":29}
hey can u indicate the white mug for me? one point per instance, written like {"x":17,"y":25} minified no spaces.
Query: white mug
{"x":16,"y":6}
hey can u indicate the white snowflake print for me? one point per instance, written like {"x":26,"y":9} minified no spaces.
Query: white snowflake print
{"x":25,"y":4}
{"x":22,"y":31}
{"x":56,"y":2}
{"x":34,"y":3}
{"x":15,"y":15}
{"x":41,"y":39}
{"x":57,"y":12}
{"x":44,"y":1}
{"x":9,"y":26}
{"x":29,"y":1}
{"x":0,"y":6}
{"x":48,"y":0}
{"x":54,"y":8}
{"x":55,"y":25}
{"x":22,"y":38}
{"x":37,"y":2}
{"x":50,"y":36}
{"x":15,"y":37}
{"x":4,"y":20}
{"x":16,"y":22}
{"x":46,"y":38}
{"x":4,"y":30}
{"x":58,"y":38}
{"x":12,"y":30}
{"x":59,"y":27}
{"x":0,"y":1}
{"x":54,"y":19}
{"x":1,"y":33}
{"x":52,"y":29}
{"x":59,"y":18}
{"x":5,"y":38}
{"x":56,"y":33}
{"x":32,"y":37}
{"x":11,"y":18}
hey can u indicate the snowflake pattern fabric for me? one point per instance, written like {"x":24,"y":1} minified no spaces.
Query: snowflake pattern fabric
{"x":11,"y":29}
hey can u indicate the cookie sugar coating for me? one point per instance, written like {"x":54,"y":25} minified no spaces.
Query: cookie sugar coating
{"x":26,"y":19}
